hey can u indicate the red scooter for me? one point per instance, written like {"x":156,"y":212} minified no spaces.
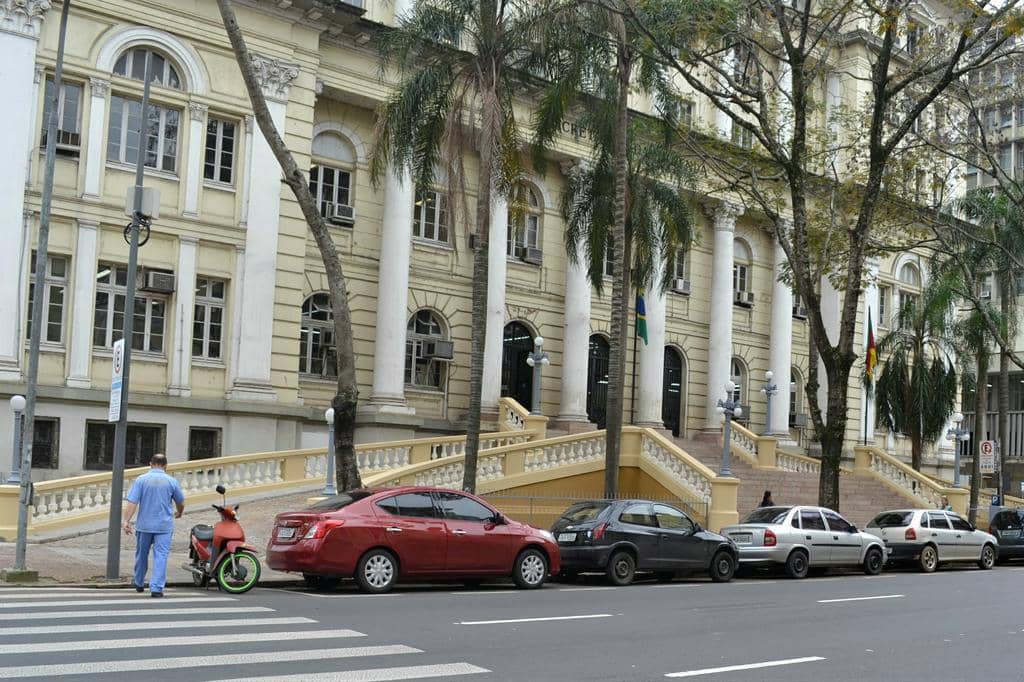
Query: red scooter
{"x":220,"y":552}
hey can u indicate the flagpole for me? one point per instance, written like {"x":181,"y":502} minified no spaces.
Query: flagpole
{"x":632,"y":387}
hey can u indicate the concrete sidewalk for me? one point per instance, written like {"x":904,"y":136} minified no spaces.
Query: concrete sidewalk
{"x":82,"y":559}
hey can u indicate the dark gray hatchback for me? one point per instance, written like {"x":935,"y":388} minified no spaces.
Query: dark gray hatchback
{"x":1008,"y":527}
{"x":621,"y":537}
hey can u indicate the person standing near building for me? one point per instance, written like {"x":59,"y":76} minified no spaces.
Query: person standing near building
{"x":151,"y":495}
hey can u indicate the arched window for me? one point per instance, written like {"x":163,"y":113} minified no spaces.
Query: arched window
{"x":316,"y":339}
{"x":132,"y":64}
{"x":909,"y":290}
{"x":909,"y":274}
{"x":673,"y":391}
{"x":516,"y":375}
{"x":738,"y":376}
{"x":742,"y":273}
{"x":597,"y":380}
{"x":330,"y":177}
{"x":796,"y":403}
{"x":524,"y":226}
{"x":424,"y":360}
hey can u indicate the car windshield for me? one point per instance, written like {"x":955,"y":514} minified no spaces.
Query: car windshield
{"x":892,"y":519}
{"x":767,"y":515}
{"x":583,"y":512}
{"x":338,"y":501}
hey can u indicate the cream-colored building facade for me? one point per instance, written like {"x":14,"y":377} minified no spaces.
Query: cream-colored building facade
{"x":230,"y":354}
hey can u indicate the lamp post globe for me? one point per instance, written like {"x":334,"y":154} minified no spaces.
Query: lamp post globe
{"x":18,"y":403}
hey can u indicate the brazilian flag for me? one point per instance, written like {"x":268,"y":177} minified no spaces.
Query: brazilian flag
{"x":641,"y":316}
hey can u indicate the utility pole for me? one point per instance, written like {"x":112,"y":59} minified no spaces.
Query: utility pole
{"x":42,"y":264}
{"x":121,"y":432}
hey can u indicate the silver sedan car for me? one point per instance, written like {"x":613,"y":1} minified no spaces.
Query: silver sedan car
{"x":802,"y":539}
{"x":930,"y":537}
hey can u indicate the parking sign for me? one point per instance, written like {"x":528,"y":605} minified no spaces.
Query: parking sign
{"x":988,"y":456}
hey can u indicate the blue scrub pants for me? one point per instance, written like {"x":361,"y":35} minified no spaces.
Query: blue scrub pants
{"x":161,"y":544}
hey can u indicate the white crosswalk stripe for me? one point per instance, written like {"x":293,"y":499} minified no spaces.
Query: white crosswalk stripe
{"x":110,"y":641}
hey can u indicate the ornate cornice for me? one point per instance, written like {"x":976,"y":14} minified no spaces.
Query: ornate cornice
{"x":99,"y":86}
{"x":23,"y":17}
{"x":275,"y":77}
{"x":197,"y":111}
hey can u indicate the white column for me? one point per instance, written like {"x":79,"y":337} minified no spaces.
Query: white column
{"x":33,"y":150}
{"x":871,"y":306}
{"x":723,"y":122}
{"x":649,"y":390}
{"x":780,"y":346}
{"x":497,"y":267}
{"x":250,"y":125}
{"x":184,"y":312}
{"x":196,"y":144}
{"x":393,"y":294}
{"x":19,"y":33}
{"x":257,"y":324}
{"x":98,"y":89}
{"x":720,"y":336}
{"x":236,"y":290}
{"x":82,"y":305}
{"x":576,"y":341}
{"x":830,"y":304}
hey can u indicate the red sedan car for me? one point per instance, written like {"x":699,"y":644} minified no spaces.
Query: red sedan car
{"x":415,"y":533}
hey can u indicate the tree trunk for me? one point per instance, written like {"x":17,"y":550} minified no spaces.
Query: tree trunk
{"x":916,"y":438}
{"x":344,"y":403}
{"x":1006,"y":284}
{"x":478,"y":335}
{"x":832,"y":439}
{"x":620,"y":273}
{"x":980,"y":410}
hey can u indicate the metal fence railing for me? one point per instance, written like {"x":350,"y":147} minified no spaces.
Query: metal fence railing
{"x":543,"y":510}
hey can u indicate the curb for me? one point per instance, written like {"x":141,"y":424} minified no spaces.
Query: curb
{"x":126,"y":584}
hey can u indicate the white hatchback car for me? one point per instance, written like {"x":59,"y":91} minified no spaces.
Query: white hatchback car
{"x":930,"y":537}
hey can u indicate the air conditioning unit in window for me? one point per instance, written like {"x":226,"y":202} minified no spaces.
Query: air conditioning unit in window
{"x":799,"y":311}
{"x":744,"y":298}
{"x":340,"y":214}
{"x":986,"y":293}
{"x":681,"y":286}
{"x":439,"y":350}
{"x":532,"y":255}
{"x":157,"y":281}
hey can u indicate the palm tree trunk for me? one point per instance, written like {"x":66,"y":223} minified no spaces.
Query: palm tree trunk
{"x":1006,"y":303}
{"x":620,"y":274}
{"x":980,"y":410}
{"x":344,"y":403}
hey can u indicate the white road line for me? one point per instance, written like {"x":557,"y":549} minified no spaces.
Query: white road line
{"x":221,"y":660}
{"x":41,"y":590}
{"x":527,"y":620}
{"x":485,"y":592}
{"x":156,"y":625}
{"x":747,"y":666}
{"x":142,"y":642}
{"x":880,"y":596}
{"x":134,"y":613}
{"x":134,"y":600}
{"x":82,"y":594}
{"x":412,"y":672}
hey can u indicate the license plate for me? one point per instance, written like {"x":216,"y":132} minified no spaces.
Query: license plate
{"x":741,"y":538}
{"x":285,"y":533}
{"x":567,"y":537}
{"x":1009,"y":533}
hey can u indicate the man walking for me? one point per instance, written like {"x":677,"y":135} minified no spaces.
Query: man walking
{"x":152,"y":494}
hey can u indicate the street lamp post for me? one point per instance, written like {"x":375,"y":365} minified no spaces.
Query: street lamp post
{"x":17,"y":407}
{"x":330,"y":489}
{"x":769,"y":389}
{"x":959,"y":435}
{"x":537,"y":359}
{"x":729,"y":409}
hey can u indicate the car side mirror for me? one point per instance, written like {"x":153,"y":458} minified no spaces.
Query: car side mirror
{"x":220,"y":489}
{"x":498,"y":520}
{"x":853,"y":529}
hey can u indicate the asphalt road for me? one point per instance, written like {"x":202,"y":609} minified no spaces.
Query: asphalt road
{"x":961,"y":624}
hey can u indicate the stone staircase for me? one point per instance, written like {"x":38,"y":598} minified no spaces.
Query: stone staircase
{"x":861,"y":497}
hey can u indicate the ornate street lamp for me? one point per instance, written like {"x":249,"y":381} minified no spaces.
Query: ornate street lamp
{"x":729,"y":409}
{"x":537,"y":359}
{"x":17,"y":407}
{"x":959,"y":435}
{"x":769,"y":390}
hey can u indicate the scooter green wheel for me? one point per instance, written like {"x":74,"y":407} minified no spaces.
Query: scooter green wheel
{"x":241,"y":576}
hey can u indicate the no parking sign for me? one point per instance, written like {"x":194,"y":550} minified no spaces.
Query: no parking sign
{"x":988,"y":456}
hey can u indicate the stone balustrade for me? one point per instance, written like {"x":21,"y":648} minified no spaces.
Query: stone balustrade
{"x":800,"y":464}
{"x":927,"y":491}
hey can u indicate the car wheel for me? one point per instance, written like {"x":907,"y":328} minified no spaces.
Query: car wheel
{"x":873,"y":561}
{"x":988,"y":557}
{"x":531,"y":569}
{"x":723,"y":567}
{"x":377,"y":571}
{"x":621,"y":568}
{"x":796,"y":564}
{"x":929,"y":559}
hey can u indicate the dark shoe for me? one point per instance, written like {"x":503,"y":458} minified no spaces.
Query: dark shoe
{"x":139,"y":589}
{"x":157,"y":594}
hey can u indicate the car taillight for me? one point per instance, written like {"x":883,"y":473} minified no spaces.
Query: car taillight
{"x":599,"y":531}
{"x":910,"y":534}
{"x":321,"y":528}
{"x":991,"y":530}
{"x":769,"y":538}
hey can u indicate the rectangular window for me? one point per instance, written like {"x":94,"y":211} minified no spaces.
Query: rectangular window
{"x":1006,"y":115}
{"x":161,"y":132}
{"x":1006,"y":74}
{"x":990,"y":118}
{"x":203,"y":442}
{"x":907,"y":303}
{"x":1006,"y":157}
{"x":45,"y":444}
{"x":740,"y":278}
{"x":330,"y":187}
{"x":686,"y":113}
{"x":69,"y":111}
{"x":208,"y":321}
{"x":914,"y":33}
{"x":430,"y":217}
{"x":53,"y":299}
{"x":219,"y":163}
{"x":742,"y":137}
{"x":679,"y":264}
{"x":142,"y":441}
{"x":108,"y":321}
{"x":884,"y":297}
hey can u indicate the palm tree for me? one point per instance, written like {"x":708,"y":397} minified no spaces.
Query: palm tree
{"x":462,"y":64}
{"x":344,"y":403}
{"x":917,"y":387}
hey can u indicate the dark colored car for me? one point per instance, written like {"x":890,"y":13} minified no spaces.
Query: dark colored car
{"x":625,"y":536}
{"x":411,"y":533}
{"x":1008,"y":528}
